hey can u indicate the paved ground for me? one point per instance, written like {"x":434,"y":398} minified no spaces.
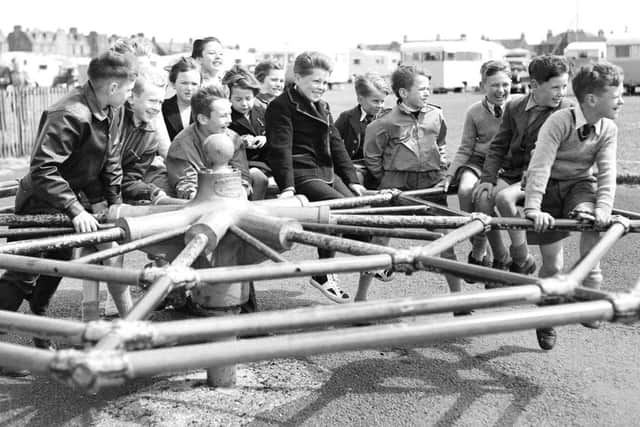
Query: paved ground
{"x":590,"y":378}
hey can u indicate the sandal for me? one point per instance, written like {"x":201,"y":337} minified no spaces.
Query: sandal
{"x":331,"y":290}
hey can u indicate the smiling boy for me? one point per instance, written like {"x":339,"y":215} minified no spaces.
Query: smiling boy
{"x":561,"y":181}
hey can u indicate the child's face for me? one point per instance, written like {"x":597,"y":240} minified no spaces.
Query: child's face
{"x":119,"y":92}
{"x":552,"y":92}
{"x":219,"y":119}
{"x":416,"y":96}
{"x":273,"y":83}
{"x":314,"y":85}
{"x":187,"y":83}
{"x":608,"y":103}
{"x":148,"y":104}
{"x":372,"y":103}
{"x":242,"y":100}
{"x":497,"y":87}
{"x":212,"y":60}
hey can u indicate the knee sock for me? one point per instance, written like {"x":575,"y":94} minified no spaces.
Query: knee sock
{"x":519,"y":253}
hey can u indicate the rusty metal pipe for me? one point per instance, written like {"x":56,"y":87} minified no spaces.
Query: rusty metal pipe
{"x":16,"y":357}
{"x":44,"y":220}
{"x":35,"y":231}
{"x":373,"y":231}
{"x":257,"y":244}
{"x":65,"y":241}
{"x":40,"y":326}
{"x":338,"y":244}
{"x":452,"y":238}
{"x":353,"y":202}
{"x":436,"y":208}
{"x":407,"y":210}
{"x":408,"y":221}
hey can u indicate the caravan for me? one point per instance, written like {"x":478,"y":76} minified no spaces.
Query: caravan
{"x":582,"y":53}
{"x":383,"y":62}
{"x":286,"y":58}
{"x":454,"y":65}
{"x":625,"y":53}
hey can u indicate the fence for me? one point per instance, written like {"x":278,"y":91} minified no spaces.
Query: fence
{"x":20,"y":112}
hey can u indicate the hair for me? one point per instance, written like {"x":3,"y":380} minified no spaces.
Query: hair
{"x":183,"y":65}
{"x":263,"y":69}
{"x":494,"y":67}
{"x":306,"y":62}
{"x":404,"y":77}
{"x":112,"y":65}
{"x":366,"y":84}
{"x":133,"y":46}
{"x":201,"y":101}
{"x":595,"y":78}
{"x":199,"y":44}
{"x":152,"y":76}
{"x":241,"y":78}
{"x":545,"y":67}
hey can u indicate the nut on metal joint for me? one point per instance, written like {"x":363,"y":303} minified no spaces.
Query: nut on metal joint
{"x":483,"y":218}
{"x":90,"y":370}
{"x":558,"y":285}
{"x":626,"y":307}
{"x":182,"y":275}
{"x":404,"y":260}
{"x":622,"y":220}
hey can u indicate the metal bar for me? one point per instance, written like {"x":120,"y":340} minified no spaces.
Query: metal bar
{"x":65,"y":241}
{"x":628,"y":214}
{"x":405,"y":221}
{"x":56,"y":268}
{"x":152,"y":362}
{"x":40,"y":326}
{"x":433,"y":191}
{"x":435,"y":207}
{"x":7,"y":209}
{"x":52,"y":220}
{"x":335,"y":243}
{"x":372,"y":231}
{"x":130,"y":246}
{"x":353,"y":202}
{"x":454,"y":237}
{"x":18,"y":357}
{"x":294,"y":269}
{"x":256,"y":244}
{"x":8,"y":189}
{"x":35,"y":231}
{"x":385,"y":210}
{"x":256,"y":323}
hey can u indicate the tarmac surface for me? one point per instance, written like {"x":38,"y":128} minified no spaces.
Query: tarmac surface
{"x":591,"y":378}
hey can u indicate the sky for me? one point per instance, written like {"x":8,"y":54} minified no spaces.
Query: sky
{"x":314,"y":24}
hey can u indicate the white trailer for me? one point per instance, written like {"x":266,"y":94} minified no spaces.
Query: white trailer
{"x":383,"y":62}
{"x":454,"y":65}
{"x":625,"y":53}
{"x":582,"y":53}
{"x":286,"y":58}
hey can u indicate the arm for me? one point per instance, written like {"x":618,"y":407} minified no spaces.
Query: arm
{"x":342,"y":163}
{"x":441,"y":142}
{"x":375,"y":142}
{"x":135,"y":166}
{"x":606,"y":161}
{"x":498,"y":148}
{"x":342,"y":123}
{"x":239,"y":161}
{"x":183,"y":176}
{"x":162,"y":136}
{"x":279,"y":130}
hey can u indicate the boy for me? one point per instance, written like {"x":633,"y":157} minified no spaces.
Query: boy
{"x":212,"y":113}
{"x":247,"y":120}
{"x":481,"y":124}
{"x":405,"y":148}
{"x":509,"y":153}
{"x":75,"y":142}
{"x":560,"y":181}
{"x":371,"y":91}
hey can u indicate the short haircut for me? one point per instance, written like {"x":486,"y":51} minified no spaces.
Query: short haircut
{"x":112,"y":65}
{"x":136,"y":47}
{"x":306,"y":62}
{"x":493,"y":67}
{"x":199,"y":45}
{"x":595,"y":78}
{"x":241,"y":78}
{"x":366,"y":84}
{"x":404,"y":77}
{"x":263,"y":69}
{"x":150,"y":76}
{"x":182,"y":66}
{"x":545,"y":67}
{"x":201,"y":101}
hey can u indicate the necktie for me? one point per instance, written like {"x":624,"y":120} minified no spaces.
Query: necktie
{"x":497,"y":111}
{"x":585,"y":131}
{"x":368,"y":118}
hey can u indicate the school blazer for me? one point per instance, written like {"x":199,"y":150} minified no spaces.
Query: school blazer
{"x":171,"y":116}
{"x":510,"y":149}
{"x":252,"y":126}
{"x":348,"y":124}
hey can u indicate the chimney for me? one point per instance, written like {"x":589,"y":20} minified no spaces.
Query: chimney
{"x":549,"y":35}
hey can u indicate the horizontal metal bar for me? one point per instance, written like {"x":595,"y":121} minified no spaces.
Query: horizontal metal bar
{"x":17,"y":357}
{"x":373,"y":231}
{"x":385,"y":210}
{"x":64,"y":241}
{"x":40,"y":326}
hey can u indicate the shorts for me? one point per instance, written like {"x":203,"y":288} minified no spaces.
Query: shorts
{"x":474,"y":165}
{"x":559,"y":199}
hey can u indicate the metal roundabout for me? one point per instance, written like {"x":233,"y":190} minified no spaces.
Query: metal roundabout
{"x":217,"y":243}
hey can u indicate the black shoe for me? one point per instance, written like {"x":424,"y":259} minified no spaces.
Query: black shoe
{"x":497,"y":265}
{"x":546,"y":338}
{"x":10,"y":373}
{"x":484,"y":262}
{"x":462,"y":313}
{"x":528,"y":267}
{"x":44,"y":343}
{"x":593,"y":324}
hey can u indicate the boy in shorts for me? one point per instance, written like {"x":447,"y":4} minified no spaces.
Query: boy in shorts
{"x":561,"y":181}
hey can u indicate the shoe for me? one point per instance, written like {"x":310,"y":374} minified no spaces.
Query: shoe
{"x":11,"y":373}
{"x":484,"y":262}
{"x":385,"y":275}
{"x":462,"y":313}
{"x":44,"y":343}
{"x":527,"y":267}
{"x":331,"y":290}
{"x":592,"y":324}
{"x":497,"y":265}
{"x":546,"y":338}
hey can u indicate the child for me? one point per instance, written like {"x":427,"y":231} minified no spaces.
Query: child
{"x":185,"y":79}
{"x":509,"y":153}
{"x":371,"y":90}
{"x":271,"y":78}
{"x":405,"y":148}
{"x":209,"y":53}
{"x":561,"y":182}
{"x":481,"y":124}
{"x":247,"y":120}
